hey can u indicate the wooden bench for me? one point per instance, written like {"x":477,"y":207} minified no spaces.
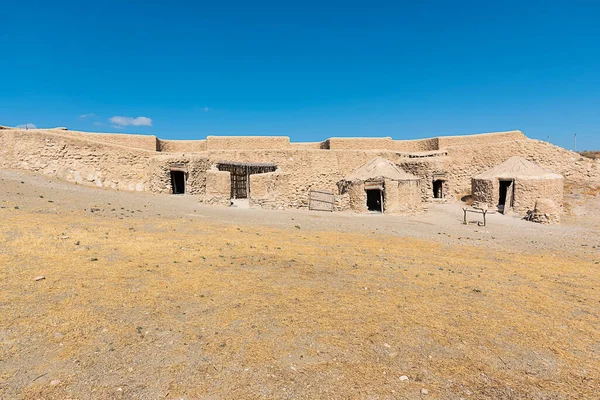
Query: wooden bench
{"x":477,"y":210}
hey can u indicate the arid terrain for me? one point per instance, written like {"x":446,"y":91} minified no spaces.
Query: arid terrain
{"x":116,"y":295}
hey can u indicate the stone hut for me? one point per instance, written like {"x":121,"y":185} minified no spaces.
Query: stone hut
{"x":517,"y":184}
{"x":382,"y":186}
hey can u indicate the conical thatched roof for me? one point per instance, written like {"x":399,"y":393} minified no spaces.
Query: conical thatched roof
{"x":380,"y":168}
{"x":518,"y":168}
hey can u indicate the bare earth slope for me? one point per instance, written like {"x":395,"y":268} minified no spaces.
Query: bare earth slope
{"x":151,"y":296}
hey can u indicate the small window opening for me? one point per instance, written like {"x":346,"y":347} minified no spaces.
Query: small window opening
{"x":438,"y":189}
{"x":178,"y":182}
{"x":375,"y":200}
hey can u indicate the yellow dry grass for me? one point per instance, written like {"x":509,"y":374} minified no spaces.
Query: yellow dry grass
{"x":178,"y":308}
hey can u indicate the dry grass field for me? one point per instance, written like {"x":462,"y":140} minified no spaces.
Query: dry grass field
{"x":175,"y":307}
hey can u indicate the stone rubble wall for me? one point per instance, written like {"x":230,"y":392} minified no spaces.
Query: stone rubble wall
{"x":465,"y":162}
{"x":181,"y":146}
{"x":300,"y":171}
{"x":265,"y":190}
{"x":214,"y":143}
{"x":426,"y":169}
{"x":86,"y":159}
{"x":73,"y":159}
{"x":146,"y":142}
{"x":526,"y":193}
{"x":159,"y":172}
{"x":402,"y":197}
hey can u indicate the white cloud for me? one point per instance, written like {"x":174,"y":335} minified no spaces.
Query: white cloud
{"x":206,"y":109}
{"x":96,"y":123}
{"x":27,"y":126}
{"x":128,"y":121}
{"x":88,"y":115}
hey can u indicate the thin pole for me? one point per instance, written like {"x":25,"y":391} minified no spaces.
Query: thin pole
{"x":575,"y":139}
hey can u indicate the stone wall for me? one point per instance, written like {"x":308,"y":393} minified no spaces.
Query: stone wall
{"x":83,"y":158}
{"x":426,"y":169}
{"x":265,"y":189}
{"x":483,"y":192}
{"x":416,"y":145}
{"x":159,"y":172}
{"x":181,"y":146}
{"x":218,"y":187}
{"x":526,"y":192}
{"x":360,"y":143}
{"x":357,"y":197}
{"x":464,"y":162}
{"x":482,"y":139}
{"x":146,"y":142}
{"x":246,"y":142}
{"x":402,"y":197}
{"x":74,"y":159}
{"x":301,"y":171}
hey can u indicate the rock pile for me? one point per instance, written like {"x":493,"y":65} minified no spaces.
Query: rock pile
{"x":546,"y":211}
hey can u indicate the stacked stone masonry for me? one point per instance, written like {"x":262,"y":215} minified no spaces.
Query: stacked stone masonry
{"x":145,"y":163}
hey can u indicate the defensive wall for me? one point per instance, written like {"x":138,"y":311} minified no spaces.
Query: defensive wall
{"x":144,"y":162}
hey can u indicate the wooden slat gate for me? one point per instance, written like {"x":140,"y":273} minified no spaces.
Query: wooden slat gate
{"x":240,"y":175}
{"x":321,"y":201}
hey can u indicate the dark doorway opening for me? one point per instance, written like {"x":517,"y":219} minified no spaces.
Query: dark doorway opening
{"x":438,"y":189}
{"x":178,"y":182}
{"x":505,"y":200}
{"x":375,"y":200}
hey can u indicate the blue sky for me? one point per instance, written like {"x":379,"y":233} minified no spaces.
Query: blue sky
{"x":309,"y":70}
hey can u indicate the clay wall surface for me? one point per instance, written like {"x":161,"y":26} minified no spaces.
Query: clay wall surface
{"x":146,"y":142}
{"x":181,"y":146}
{"x":306,"y":145}
{"x":482,"y":139}
{"x":385,"y":143}
{"x":75,"y":160}
{"x":357,"y":198}
{"x":527,"y":192}
{"x":402,"y":197}
{"x":218,"y":187}
{"x":247,"y":142}
{"x":265,"y":190}
{"x":415,"y":145}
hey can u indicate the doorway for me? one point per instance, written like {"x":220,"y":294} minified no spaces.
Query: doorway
{"x":178,"y":182}
{"x":240,"y":175}
{"x":506,"y":195}
{"x":375,"y":200}
{"x":438,"y":189}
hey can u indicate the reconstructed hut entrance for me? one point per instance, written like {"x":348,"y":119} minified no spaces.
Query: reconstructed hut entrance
{"x":438,"y":189}
{"x":240,"y":175}
{"x":375,"y":200}
{"x":505,"y":200}
{"x":178,"y":181}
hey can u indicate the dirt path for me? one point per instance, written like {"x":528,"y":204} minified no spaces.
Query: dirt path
{"x":442,"y":223}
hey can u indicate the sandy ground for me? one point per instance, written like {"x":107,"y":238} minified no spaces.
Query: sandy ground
{"x":442,"y":222}
{"x":148,"y":296}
